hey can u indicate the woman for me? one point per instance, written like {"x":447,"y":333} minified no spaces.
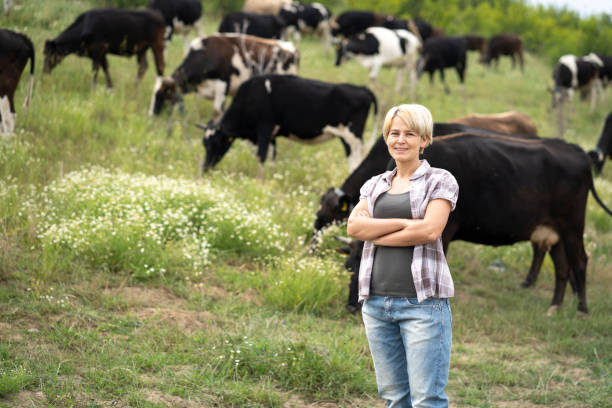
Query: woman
{"x":404,"y":280}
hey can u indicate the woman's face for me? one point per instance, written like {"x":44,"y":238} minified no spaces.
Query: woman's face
{"x":403,"y":142}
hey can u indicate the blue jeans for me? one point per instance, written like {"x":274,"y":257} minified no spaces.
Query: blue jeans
{"x":410,"y":344}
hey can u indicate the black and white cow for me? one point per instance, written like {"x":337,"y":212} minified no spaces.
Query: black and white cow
{"x":355,"y":21}
{"x":603,"y":150}
{"x":181,"y":16}
{"x":260,"y":25}
{"x":440,"y":53}
{"x":419,"y":27}
{"x":572,"y":73}
{"x":604,"y":71}
{"x":304,"y":110}
{"x":99,"y":32}
{"x":540,"y":186}
{"x":381,"y":47}
{"x":15,"y":51}
{"x":307,"y":18}
{"x":217,"y":65}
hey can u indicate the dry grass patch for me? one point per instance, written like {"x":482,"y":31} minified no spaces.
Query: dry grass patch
{"x":187,"y":321}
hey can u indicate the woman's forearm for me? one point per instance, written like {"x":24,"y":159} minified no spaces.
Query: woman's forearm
{"x":368,"y":229}
{"x":416,"y":232}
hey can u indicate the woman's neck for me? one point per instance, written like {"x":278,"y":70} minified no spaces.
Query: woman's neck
{"x":407,"y":169}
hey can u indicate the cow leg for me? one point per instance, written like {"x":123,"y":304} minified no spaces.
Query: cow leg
{"x":353,"y":297}
{"x":7,"y":115}
{"x":104,"y":63}
{"x":374,"y":74}
{"x":158,"y":48}
{"x":142,"y":64}
{"x":446,"y":88}
{"x":264,"y":133}
{"x":577,"y":258}
{"x":536,"y":264}
{"x":559,"y":257}
{"x":399,"y":75}
{"x":220,"y":90}
{"x":521,"y":61}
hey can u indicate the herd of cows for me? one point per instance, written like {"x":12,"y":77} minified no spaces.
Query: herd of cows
{"x":515,"y":186}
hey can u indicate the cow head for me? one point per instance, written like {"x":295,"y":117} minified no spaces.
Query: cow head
{"x":165,"y":90}
{"x":52,"y":56}
{"x":216,"y":142}
{"x":597,"y":159}
{"x":335,"y":206}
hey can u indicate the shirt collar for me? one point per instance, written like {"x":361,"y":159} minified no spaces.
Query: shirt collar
{"x":419,"y":172}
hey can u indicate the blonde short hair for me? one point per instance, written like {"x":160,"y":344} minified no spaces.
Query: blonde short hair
{"x":416,"y":117}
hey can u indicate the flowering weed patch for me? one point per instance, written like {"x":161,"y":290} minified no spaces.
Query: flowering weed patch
{"x":147,"y":225}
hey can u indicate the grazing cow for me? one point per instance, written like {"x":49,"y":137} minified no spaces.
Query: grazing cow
{"x":260,"y":25}
{"x":98,"y":32}
{"x":513,"y":122}
{"x":217,"y":65}
{"x":304,"y":110}
{"x":604,"y":71}
{"x":264,"y":6}
{"x":378,"y":47}
{"x":604,"y":146}
{"x":540,"y":186}
{"x":572,"y":73}
{"x":308,"y":18}
{"x":181,"y":16}
{"x":476,"y":43}
{"x":355,"y":21}
{"x":443,"y":52}
{"x":504,"y":44}
{"x":15,"y":51}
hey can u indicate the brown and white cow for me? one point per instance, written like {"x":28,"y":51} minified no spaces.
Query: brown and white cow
{"x":99,"y":32}
{"x":504,"y":44}
{"x":15,"y":51}
{"x":512,"y":122}
{"x":217,"y":65}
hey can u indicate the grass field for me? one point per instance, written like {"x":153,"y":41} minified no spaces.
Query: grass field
{"x":126,"y":281}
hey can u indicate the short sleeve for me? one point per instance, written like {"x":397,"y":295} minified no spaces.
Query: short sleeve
{"x":367,"y":188}
{"x":445,"y":187}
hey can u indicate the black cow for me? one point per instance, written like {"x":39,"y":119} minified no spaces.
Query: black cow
{"x":513,"y":190}
{"x":260,"y":25}
{"x":217,"y":65}
{"x":604,"y":146}
{"x":355,"y":21}
{"x":336,"y":204}
{"x":181,"y":16}
{"x":304,"y":110}
{"x":504,"y":44}
{"x":573,"y":73}
{"x":308,"y":18}
{"x":476,"y":43}
{"x":443,"y":52}
{"x":98,"y":32}
{"x":15,"y":51}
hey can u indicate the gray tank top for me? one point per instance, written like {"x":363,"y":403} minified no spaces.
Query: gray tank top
{"x":391,"y":273}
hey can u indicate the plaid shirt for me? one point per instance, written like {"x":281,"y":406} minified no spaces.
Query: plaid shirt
{"x":430,"y":271}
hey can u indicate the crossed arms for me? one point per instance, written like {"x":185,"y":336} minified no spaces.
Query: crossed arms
{"x":398,"y":232}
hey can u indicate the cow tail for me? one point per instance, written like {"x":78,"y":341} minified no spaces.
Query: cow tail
{"x":31,"y":83}
{"x":592,"y":188}
{"x":374,"y":120}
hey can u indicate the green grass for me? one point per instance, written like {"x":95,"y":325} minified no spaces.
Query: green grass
{"x":89,"y":181}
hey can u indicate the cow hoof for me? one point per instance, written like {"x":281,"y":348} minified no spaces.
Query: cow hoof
{"x":552,"y":310}
{"x":581,"y":314}
{"x":526,"y":284}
